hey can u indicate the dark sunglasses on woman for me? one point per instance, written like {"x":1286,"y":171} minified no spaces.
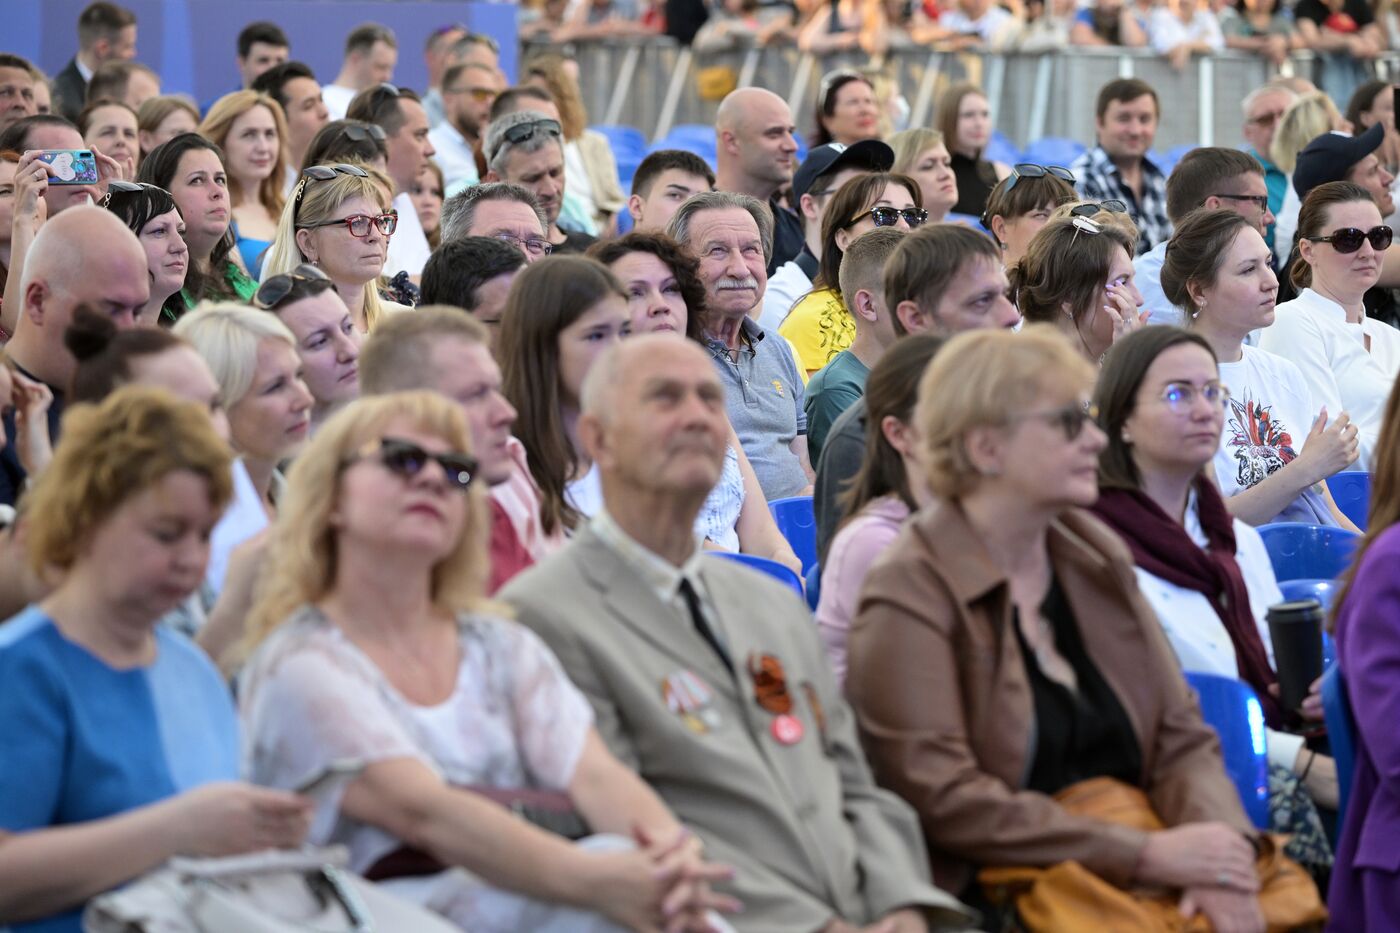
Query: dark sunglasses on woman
{"x":1113,"y":206}
{"x":1069,"y":419}
{"x":275,"y":290}
{"x":1349,"y":239}
{"x":889,"y":216}
{"x":1034,"y":170}
{"x":406,"y":459}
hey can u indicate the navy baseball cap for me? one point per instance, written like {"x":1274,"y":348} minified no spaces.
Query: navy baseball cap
{"x":1331,"y":156}
{"x":869,"y":154}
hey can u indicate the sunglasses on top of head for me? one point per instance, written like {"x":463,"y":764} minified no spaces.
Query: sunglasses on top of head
{"x":1349,"y":239}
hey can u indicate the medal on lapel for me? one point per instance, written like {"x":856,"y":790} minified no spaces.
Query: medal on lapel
{"x":690,"y":698}
{"x":770,"y":691}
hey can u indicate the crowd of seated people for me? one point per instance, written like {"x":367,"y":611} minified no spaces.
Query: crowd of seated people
{"x":345,"y":435}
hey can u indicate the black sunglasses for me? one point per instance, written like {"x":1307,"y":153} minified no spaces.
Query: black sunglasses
{"x":359,"y":132}
{"x":1349,"y":239}
{"x":275,"y":290}
{"x":406,"y":459}
{"x":323,"y":173}
{"x":117,"y":186}
{"x":1260,"y":201}
{"x":1113,"y":206}
{"x":524,"y":132}
{"x":1035,"y":170}
{"x":889,"y":216}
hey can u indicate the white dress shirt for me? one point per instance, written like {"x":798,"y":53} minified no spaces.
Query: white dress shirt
{"x":408,"y":247}
{"x":1147,"y":275}
{"x":1312,"y":333}
{"x":787,"y":284}
{"x":454,"y":156}
{"x":337,"y":100}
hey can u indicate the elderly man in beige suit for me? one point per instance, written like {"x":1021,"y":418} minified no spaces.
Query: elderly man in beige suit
{"x":708,"y":678}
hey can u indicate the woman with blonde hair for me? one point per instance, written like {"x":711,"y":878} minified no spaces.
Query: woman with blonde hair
{"x":1306,"y":119}
{"x":339,"y":218}
{"x":120,"y":738}
{"x":252,"y":131}
{"x":253,"y":356}
{"x":590,"y":171}
{"x":161,"y":119}
{"x":373,"y":642}
{"x":920,"y":154}
{"x":1005,"y":671}
{"x":1077,"y":274}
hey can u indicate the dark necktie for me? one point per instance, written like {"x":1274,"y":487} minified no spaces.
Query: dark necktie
{"x":692,"y":602}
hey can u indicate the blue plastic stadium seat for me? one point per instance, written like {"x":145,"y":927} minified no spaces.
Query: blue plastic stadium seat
{"x":1233,"y":710}
{"x":1352,"y":490}
{"x":814,"y":586}
{"x":1300,"y":551}
{"x":1167,"y":161}
{"x":798,"y":524}
{"x":1341,"y":734}
{"x":1053,"y":150}
{"x":1320,"y":590}
{"x":777,"y":571}
{"x":622,"y":139}
{"x":1001,"y":149}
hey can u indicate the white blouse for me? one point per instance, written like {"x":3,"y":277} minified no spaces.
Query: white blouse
{"x":1195,"y":631}
{"x":1312,"y":332}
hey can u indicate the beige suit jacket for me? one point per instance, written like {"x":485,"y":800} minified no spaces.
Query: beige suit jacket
{"x":809,"y":833}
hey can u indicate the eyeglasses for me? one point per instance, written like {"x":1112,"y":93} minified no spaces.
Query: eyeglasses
{"x":276,"y":289}
{"x":889,"y":216}
{"x":325,"y":173}
{"x":1033,"y":170}
{"x":117,"y":186}
{"x":406,"y":460}
{"x":359,"y":224}
{"x":359,"y":132}
{"x":524,"y":132}
{"x":1181,"y":396}
{"x":1260,"y":201}
{"x":1069,"y":419}
{"x":535,"y":246}
{"x":1112,"y":205}
{"x":1349,"y":239}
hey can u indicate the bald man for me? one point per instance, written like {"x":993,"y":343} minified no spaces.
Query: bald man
{"x":84,"y":256}
{"x":756,"y":155}
{"x":681,"y":656}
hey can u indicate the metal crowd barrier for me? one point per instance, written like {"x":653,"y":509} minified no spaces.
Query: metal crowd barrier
{"x":653,"y":84}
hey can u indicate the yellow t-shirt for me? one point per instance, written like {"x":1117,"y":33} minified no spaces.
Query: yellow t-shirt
{"x":820,"y":327}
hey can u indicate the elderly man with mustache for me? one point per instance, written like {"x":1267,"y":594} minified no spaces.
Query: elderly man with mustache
{"x":732,"y":234}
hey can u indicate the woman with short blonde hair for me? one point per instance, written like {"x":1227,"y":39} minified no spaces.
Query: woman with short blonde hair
{"x":339,"y":218}
{"x":922,"y":155}
{"x":373,"y":642}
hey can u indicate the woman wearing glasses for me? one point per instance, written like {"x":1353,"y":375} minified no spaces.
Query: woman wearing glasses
{"x":819,"y":325}
{"x":153,"y":216}
{"x":328,"y":345}
{"x":921,"y":154}
{"x":1349,"y":360}
{"x":1021,"y":204}
{"x":1204,"y":572}
{"x":1001,"y":654}
{"x":1277,"y":447}
{"x":374,"y":644}
{"x":191,"y":168}
{"x":1077,"y":274}
{"x":339,"y":219}
{"x":252,"y":131}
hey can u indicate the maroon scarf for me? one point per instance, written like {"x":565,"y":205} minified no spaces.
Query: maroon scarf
{"x":1161,"y":546}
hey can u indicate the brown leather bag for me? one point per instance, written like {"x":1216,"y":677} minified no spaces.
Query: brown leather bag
{"x":1068,"y":896}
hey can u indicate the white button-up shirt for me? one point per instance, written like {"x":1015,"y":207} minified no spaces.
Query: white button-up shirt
{"x":1312,"y":332}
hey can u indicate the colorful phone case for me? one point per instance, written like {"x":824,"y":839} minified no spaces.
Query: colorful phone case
{"x":70,"y":166}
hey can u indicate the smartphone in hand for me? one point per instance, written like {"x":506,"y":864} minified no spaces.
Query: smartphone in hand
{"x":70,"y":166}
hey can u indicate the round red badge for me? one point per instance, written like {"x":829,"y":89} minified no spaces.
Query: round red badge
{"x":787,"y":730}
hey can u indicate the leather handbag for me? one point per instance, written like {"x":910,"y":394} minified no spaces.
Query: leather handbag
{"x":265,"y":892}
{"x":1068,"y":896}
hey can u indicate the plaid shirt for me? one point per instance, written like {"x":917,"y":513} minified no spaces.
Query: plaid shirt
{"x":1097,"y":180}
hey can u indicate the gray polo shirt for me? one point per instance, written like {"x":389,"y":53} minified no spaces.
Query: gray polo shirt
{"x":763,"y":393}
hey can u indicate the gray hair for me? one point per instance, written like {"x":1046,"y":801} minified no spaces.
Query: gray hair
{"x":1271,"y":87}
{"x":498,"y":149}
{"x":679,"y":227}
{"x":459,"y":211}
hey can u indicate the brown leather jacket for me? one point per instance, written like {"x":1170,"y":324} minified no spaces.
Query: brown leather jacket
{"x":945,"y":709}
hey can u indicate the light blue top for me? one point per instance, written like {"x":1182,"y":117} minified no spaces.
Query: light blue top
{"x":80,"y":741}
{"x":251,"y":250}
